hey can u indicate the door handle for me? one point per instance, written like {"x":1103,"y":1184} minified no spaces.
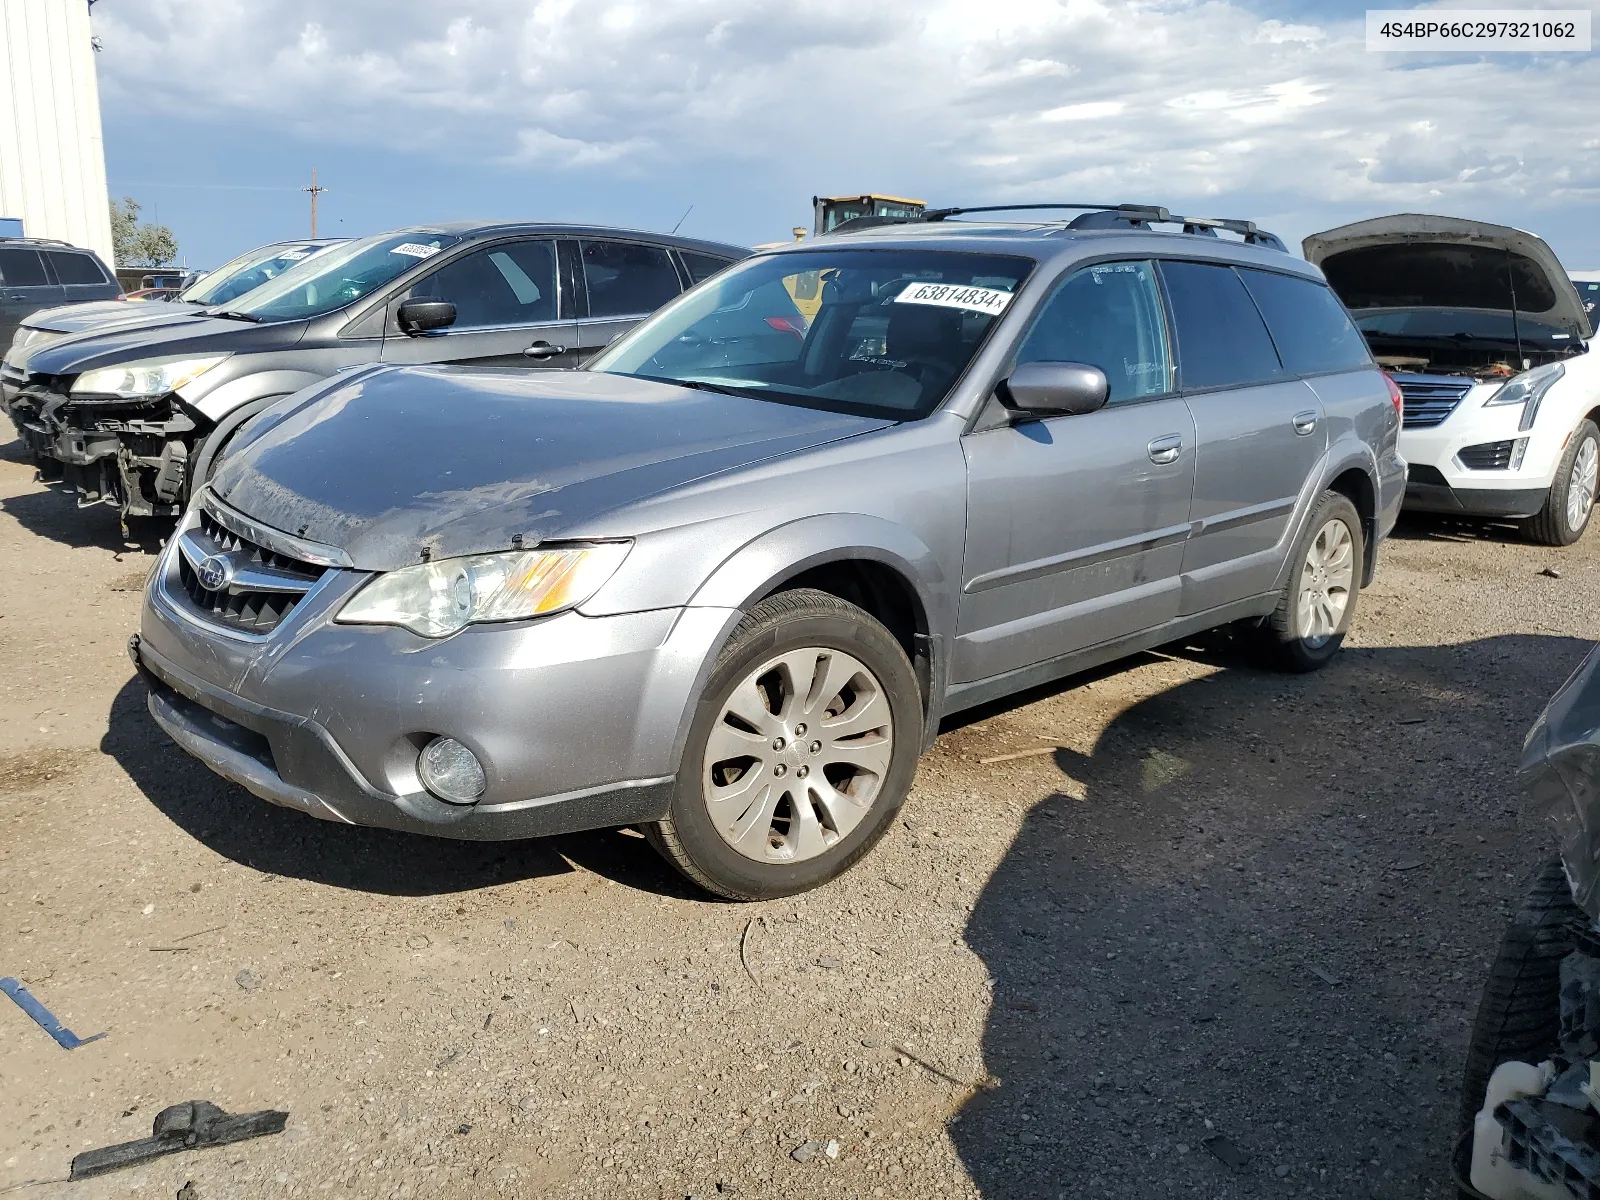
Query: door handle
{"x":1305,"y":422}
{"x":1166,"y":449}
{"x":543,"y":349}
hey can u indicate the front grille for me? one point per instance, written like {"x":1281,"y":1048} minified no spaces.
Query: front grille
{"x":268,"y":587}
{"x":1489,"y":456}
{"x":1429,"y":400}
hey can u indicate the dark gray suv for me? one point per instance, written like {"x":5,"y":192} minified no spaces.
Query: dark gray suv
{"x":39,"y":273}
{"x":725,"y":583}
{"x":135,"y":417}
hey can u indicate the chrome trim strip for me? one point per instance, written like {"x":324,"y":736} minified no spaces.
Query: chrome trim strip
{"x":273,"y":539}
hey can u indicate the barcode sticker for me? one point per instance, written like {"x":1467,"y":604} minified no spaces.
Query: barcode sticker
{"x":415,"y":250}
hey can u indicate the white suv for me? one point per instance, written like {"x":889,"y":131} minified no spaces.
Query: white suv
{"x":1486,"y":336}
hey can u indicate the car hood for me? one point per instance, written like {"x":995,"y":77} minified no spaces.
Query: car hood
{"x":1415,"y":260}
{"x":399,"y":463}
{"x":190,"y":333}
{"x":104,"y":314}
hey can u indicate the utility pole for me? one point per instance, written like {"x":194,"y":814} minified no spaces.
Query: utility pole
{"x":316,"y":190}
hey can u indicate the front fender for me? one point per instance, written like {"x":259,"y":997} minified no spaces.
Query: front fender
{"x":225,"y":397}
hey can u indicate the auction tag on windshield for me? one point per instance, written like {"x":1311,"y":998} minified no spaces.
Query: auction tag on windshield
{"x":294,"y":255}
{"x":415,"y":250}
{"x":956,"y":295}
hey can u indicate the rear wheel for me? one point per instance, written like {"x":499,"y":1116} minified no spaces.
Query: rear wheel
{"x":801,"y":752}
{"x":1570,"y":504}
{"x":1318,"y":600}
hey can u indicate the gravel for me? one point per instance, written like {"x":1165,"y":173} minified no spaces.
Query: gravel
{"x":1226,"y":904}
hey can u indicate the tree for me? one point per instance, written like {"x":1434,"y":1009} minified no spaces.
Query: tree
{"x":139,"y":245}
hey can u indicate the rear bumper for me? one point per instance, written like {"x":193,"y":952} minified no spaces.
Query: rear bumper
{"x":246,"y":742}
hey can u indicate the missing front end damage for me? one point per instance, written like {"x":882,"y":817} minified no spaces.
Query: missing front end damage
{"x":132,"y":455}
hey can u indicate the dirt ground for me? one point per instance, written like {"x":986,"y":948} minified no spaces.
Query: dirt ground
{"x":1226,"y":903}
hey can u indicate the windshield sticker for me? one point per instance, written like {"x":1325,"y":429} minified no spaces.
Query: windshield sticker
{"x":294,"y":255}
{"x":415,"y":250}
{"x":952,"y":295}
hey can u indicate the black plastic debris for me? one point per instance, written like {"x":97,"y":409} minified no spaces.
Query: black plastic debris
{"x":1227,"y":1153}
{"x":187,"y":1126}
{"x":1553,"y":1143}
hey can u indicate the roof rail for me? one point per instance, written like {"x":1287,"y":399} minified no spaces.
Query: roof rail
{"x":37,"y":241}
{"x":1135,"y":216}
{"x":1132,"y":214}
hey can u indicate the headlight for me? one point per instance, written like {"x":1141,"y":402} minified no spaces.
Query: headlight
{"x":1527,"y":389}
{"x":153,"y":378}
{"x":436,"y":599}
{"x":25,"y":336}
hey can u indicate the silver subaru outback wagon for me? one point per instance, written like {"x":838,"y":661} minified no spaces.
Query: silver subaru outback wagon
{"x":723,"y":583}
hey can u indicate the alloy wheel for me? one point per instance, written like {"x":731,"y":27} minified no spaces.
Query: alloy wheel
{"x":798,"y":755}
{"x":1581,"y":487}
{"x":1325,"y":582}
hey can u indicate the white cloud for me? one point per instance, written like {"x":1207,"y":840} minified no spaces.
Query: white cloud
{"x":1000,"y":100}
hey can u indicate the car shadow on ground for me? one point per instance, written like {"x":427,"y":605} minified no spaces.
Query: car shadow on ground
{"x":1258,"y":910}
{"x":237,"y":825}
{"x":53,"y":513}
{"x":1443,"y":527}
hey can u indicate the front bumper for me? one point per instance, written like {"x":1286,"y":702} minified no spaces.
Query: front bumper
{"x":1513,"y":503}
{"x":1443,"y":478}
{"x":577,"y":720}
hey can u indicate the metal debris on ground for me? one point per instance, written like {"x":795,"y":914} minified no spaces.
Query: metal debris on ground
{"x":42,"y":1016}
{"x":1550,"y":573}
{"x":1227,"y":1153}
{"x":187,"y":1126}
{"x":744,"y":951}
{"x":1330,"y":979}
{"x":1034,"y":753}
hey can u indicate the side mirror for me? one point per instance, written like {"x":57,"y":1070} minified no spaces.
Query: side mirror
{"x":424,"y":316}
{"x":1051,"y":389}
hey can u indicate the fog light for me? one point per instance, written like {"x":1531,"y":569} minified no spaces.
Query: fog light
{"x":450,"y":771}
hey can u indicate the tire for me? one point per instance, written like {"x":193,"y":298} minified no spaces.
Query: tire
{"x":1291,"y":645}
{"x":793,"y":840}
{"x":1564,"y":517}
{"x":1519,"y":1014}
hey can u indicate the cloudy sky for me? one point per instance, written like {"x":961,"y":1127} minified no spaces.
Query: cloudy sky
{"x":622,"y":112}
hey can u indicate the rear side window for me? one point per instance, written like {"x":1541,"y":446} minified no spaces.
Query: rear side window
{"x":702,"y":266}
{"x":1310,"y":327}
{"x":626,"y":279}
{"x":1222,"y":341}
{"x":74,"y":268}
{"x":21,"y":268}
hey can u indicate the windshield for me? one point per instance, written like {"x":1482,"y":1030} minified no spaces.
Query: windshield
{"x":1589,"y":294}
{"x":250,"y":270}
{"x":877,"y":332}
{"x":340,"y":275}
{"x":1455,"y":325}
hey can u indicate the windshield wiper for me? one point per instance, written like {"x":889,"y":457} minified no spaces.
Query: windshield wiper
{"x":701,"y":385}
{"x":235,"y":316}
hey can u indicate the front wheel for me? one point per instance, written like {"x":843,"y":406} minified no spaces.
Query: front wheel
{"x":802,"y":750}
{"x":1570,"y":502}
{"x":1318,"y":600}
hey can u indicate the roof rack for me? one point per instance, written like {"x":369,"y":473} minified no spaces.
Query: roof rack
{"x":1133,"y":216}
{"x":37,"y":241}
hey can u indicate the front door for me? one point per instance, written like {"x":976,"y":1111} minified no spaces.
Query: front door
{"x":624,"y":283}
{"x":510,"y":311}
{"x":24,"y":289}
{"x":1076,"y":524}
{"x":1260,"y":435}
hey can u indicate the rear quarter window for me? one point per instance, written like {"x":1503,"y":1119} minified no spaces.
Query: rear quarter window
{"x":1309,"y":325}
{"x":74,"y":268}
{"x":703,"y":266}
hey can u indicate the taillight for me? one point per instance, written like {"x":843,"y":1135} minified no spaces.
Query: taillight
{"x":1396,"y":397}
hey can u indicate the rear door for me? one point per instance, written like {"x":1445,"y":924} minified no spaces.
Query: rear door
{"x":510,"y":310}
{"x":1260,"y":435}
{"x":25,"y":288}
{"x":1076,"y":524}
{"x":620,"y":283}
{"x":80,"y":275}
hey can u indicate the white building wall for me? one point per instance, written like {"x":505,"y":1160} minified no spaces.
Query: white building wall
{"x":52,"y":158}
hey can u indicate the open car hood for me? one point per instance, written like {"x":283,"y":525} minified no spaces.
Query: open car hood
{"x":1415,"y":260}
